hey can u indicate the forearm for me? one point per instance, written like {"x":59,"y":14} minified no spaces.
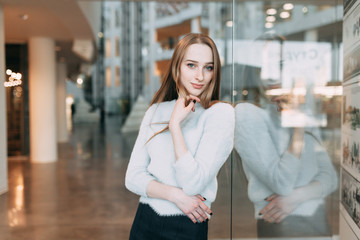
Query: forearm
{"x":178,"y":140}
{"x":159,"y":190}
{"x":296,"y":142}
{"x":308,"y":192}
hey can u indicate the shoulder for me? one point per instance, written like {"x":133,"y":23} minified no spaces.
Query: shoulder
{"x":248,"y":111}
{"x":160,"y":112}
{"x":161,"y":107}
{"x":247,"y":107}
{"x":221,"y":108}
{"x":220,"y":114}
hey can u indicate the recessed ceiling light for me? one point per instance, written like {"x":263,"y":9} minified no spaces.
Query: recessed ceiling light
{"x":24,"y":17}
{"x":269,"y":25}
{"x":271,"y":11}
{"x":284,"y":14}
{"x":270,"y":19}
{"x":288,"y":6}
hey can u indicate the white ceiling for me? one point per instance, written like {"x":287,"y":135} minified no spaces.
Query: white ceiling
{"x":57,"y":19}
{"x":62,"y":19}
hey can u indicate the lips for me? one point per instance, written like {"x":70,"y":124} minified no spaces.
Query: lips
{"x":197,"y":86}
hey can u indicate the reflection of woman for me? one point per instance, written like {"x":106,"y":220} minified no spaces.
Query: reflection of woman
{"x":289,"y":172}
{"x":184,"y":140}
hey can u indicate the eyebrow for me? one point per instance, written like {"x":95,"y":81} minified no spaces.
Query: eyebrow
{"x":189,"y":60}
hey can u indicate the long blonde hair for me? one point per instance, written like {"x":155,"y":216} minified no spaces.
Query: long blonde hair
{"x":171,"y":86}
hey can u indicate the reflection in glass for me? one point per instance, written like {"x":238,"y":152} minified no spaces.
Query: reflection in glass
{"x":286,"y":70}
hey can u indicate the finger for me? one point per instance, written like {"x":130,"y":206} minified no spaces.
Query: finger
{"x":202,"y":214}
{"x":200,"y":197}
{"x":197,"y":216}
{"x":192,"y":218}
{"x":276,"y":216}
{"x":272,"y":214}
{"x":280,"y":218}
{"x":267,"y":208}
{"x":192,"y":97}
{"x":193,"y":109}
{"x":205,"y":208}
{"x":190,"y":106}
{"x":271,"y":197}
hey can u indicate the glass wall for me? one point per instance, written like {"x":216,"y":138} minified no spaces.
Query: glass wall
{"x":281,"y":70}
{"x":287,"y":97}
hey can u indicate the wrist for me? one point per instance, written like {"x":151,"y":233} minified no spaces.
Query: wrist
{"x":174,"y":126}
{"x":173,"y":193}
{"x":298,"y":196}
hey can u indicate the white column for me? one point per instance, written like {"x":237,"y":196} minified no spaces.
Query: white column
{"x":311,"y":35}
{"x":62,"y":133}
{"x":42,"y":100}
{"x":3,"y":129}
{"x":195,"y":25}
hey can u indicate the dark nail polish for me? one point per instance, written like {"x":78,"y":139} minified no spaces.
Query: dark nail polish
{"x":194,"y":101}
{"x":204,"y":198}
{"x":207,"y":219}
{"x":260,"y":214}
{"x":210,"y":213}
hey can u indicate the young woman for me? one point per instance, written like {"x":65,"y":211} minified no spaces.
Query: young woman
{"x":184,"y":139}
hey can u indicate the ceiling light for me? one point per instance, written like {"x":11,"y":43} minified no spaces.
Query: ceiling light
{"x":288,"y":6}
{"x":79,"y":81}
{"x":271,"y":11}
{"x":229,"y":23}
{"x":24,"y":17}
{"x":305,"y":9}
{"x":270,"y":19}
{"x":269,"y":25}
{"x":284,"y":14}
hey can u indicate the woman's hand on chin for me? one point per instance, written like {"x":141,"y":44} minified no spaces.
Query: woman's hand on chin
{"x":183,"y":106}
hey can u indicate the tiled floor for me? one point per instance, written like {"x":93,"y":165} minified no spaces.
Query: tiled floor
{"x":82,"y":195}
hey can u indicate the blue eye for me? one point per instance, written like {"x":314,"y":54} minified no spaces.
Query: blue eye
{"x":190,"y":65}
{"x":209,"y":68}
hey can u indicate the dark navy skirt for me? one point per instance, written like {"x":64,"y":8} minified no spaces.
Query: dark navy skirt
{"x":148,"y":225}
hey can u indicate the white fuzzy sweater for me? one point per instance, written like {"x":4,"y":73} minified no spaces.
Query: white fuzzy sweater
{"x":262,"y":144}
{"x":209,"y":136}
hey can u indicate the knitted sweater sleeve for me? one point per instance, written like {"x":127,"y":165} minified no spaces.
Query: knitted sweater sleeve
{"x":326,"y":175}
{"x":195,"y":172}
{"x":137,"y":177}
{"x":254,"y":144}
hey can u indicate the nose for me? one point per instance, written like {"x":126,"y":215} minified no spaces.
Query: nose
{"x":200,"y":74}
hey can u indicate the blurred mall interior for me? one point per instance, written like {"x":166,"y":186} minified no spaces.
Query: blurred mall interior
{"x":78,"y":75}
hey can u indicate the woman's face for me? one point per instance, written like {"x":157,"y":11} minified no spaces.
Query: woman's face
{"x":197,"y":69}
